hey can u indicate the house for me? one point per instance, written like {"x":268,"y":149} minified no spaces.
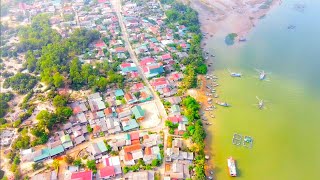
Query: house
{"x":113,"y":161}
{"x":120,"y":50}
{"x":159,"y":83}
{"x":51,"y":175}
{"x":97,"y":149}
{"x":178,"y":119}
{"x":123,"y":112}
{"x":130,"y":98}
{"x":108,"y":112}
{"x":56,"y":150}
{"x":153,"y":69}
{"x":107,"y":172}
{"x":174,"y":100}
{"x":138,"y":112}
{"x":100,"y":44}
{"x":147,"y":60}
{"x":78,"y":140}
{"x":128,"y":68}
{"x":119,"y":93}
{"x":41,"y":154}
{"x":166,"y":57}
{"x":144,"y":175}
{"x":132,"y":153}
{"x":83,"y":175}
{"x":82,"y":118}
{"x":137,"y":87}
{"x":129,"y":125}
{"x":66,"y":141}
{"x":175,"y":77}
{"x":145,"y":95}
{"x":175,"y":109}
{"x":95,"y":102}
{"x":78,"y":107}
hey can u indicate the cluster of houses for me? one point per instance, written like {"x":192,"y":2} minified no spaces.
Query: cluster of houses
{"x":160,"y":50}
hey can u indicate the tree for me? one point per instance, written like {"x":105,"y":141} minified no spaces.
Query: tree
{"x":63,"y":113}
{"x":20,"y":82}
{"x":91,"y":164}
{"x":57,"y":80}
{"x":55,"y":164}
{"x":202,"y":69}
{"x":89,"y":129}
{"x":68,"y":159}
{"x":155,"y":162}
{"x":78,"y":162}
{"x":59,"y":101}
{"x":126,"y":169}
{"x":75,"y":75}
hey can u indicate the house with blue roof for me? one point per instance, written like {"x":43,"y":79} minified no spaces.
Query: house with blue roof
{"x":41,"y":154}
{"x":153,"y":69}
{"x":56,"y":150}
{"x":129,"y":125}
{"x":138,"y":112}
{"x":119,"y":93}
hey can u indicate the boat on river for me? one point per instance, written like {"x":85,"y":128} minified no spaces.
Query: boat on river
{"x":232,"y":167}
{"x":224,"y":104}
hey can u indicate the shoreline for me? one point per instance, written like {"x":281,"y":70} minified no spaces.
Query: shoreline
{"x":219,"y":26}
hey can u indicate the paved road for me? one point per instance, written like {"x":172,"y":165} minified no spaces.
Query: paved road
{"x":161,"y":109}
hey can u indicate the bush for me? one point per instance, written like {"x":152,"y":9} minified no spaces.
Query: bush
{"x":68,"y":159}
{"x":37,"y":166}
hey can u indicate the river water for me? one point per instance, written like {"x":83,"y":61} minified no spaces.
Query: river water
{"x":286,"y":134}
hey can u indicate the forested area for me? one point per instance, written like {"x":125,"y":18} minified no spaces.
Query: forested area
{"x":184,"y":15}
{"x":56,"y":59}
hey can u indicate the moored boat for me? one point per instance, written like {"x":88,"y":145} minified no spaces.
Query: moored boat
{"x":224,"y":104}
{"x":232,"y":167}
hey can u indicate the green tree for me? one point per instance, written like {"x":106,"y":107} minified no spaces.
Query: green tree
{"x":77,"y":162}
{"x":57,"y":80}
{"x":91,"y":164}
{"x":59,"y":101}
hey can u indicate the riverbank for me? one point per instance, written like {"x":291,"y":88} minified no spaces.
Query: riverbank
{"x":218,"y":22}
{"x":235,"y":16}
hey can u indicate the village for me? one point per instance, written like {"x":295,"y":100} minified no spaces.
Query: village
{"x":136,"y":130}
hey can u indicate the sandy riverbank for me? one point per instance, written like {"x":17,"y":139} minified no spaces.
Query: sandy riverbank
{"x":231,"y":16}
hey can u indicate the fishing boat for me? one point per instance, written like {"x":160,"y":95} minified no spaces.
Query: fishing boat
{"x":224,"y":104}
{"x":232,"y":167}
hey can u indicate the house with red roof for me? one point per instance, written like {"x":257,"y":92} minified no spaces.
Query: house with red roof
{"x":166,"y":57}
{"x":100,"y":44}
{"x":130,"y":98}
{"x":159,"y":83}
{"x":83,"y":175}
{"x":138,"y":86}
{"x":146,"y":60}
{"x":175,"y":76}
{"x":120,"y":50}
{"x":131,"y":153}
{"x":107,"y":172}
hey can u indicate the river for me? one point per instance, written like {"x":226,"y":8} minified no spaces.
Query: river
{"x":286,"y":140}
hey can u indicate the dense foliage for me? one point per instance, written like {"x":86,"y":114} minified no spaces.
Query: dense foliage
{"x":21,"y":82}
{"x":4,"y":99}
{"x":197,"y":133}
{"x":184,"y":15}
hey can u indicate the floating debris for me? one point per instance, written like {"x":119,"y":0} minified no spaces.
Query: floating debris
{"x":248,"y":142}
{"x":291,"y":27}
{"x":237,"y":139}
{"x":300,"y":7}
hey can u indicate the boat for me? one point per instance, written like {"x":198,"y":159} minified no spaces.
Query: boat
{"x":242,"y":39}
{"x":224,"y":104}
{"x":232,"y":167}
{"x":235,"y":74}
{"x":291,"y":26}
